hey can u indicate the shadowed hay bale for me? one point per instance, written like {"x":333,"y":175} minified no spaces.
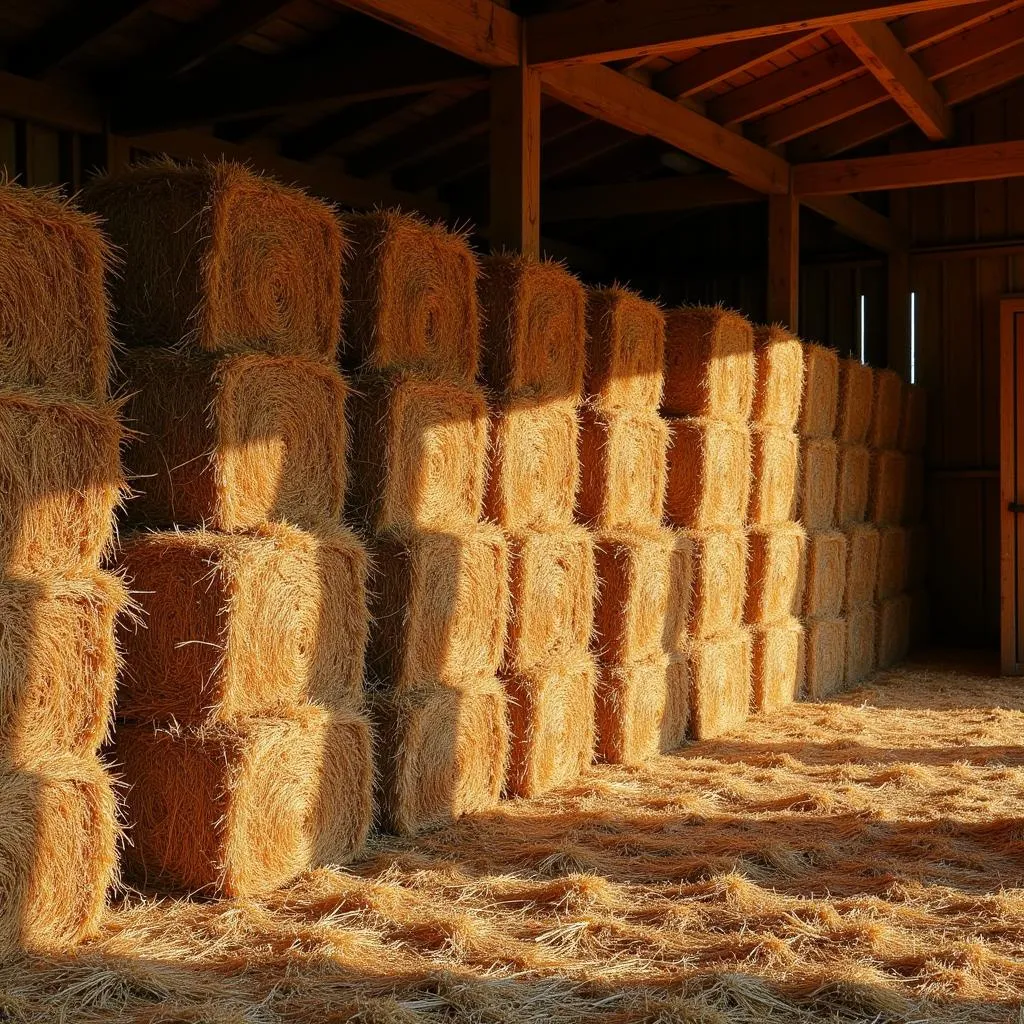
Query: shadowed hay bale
{"x":892,"y":562}
{"x":914,"y":489}
{"x":412,"y":301}
{"x":58,"y":853}
{"x":887,"y":410}
{"x":218,"y":257}
{"x":826,"y":574}
{"x":778,"y":377}
{"x":721,"y":689}
{"x":775,"y":470}
{"x":856,"y":400}
{"x":854,"y":470}
{"x":534,"y":328}
{"x":623,"y":469}
{"x":439,"y":608}
{"x":820,"y":405}
{"x":719,"y":581}
{"x":642,"y":709}
{"x":709,"y":364}
{"x":914,"y":419}
{"x":775,"y":573}
{"x":918,"y":555}
{"x":60,"y":481}
{"x":920,"y":619}
{"x":778,"y":664}
{"x":893,"y":630}
{"x":709,"y":465}
{"x":863,"y":551}
{"x":534,"y":464}
{"x":819,"y":483}
{"x":887,"y":490}
{"x":419,"y":453}
{"x":53,"y":307}
{"x":825,"y":646}
{"x":240,"y":625}
{"x":552,"y":725}
{"x":233,"y":441}
{"x":861,"y":657}
{"x":443,"y":753}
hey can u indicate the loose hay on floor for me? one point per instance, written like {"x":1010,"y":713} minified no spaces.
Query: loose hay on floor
{"x":854,"y":473}
{"x":856,"y":400}
{"x":774,"y":475}
{"x":819,"y":480}
{"x":825,"y":646}
{"x":778,"y":378}
{"x":721,"y":688}
{"x":777,"y":669}
{"x":887,"y":410}
{"x":887,"y":492}
{"x":820,"y":405}
{"x":826,"y":574}
{"x":775,"y":574}
{"x":863,"y":546}
{"x":719,"y":581}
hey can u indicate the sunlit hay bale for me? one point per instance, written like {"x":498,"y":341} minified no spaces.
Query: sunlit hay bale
{"x":914,"y":420}
{"x":887,"y":410}
{"x":820,"y":405}
{"x":914,"y":489}
{"x":709,"y":364}
{"x":863,"y":543}
{"x":861,"y":655}
{"x":58,"y":852}
{"x":893,"y":630}
{"x":419,"y":453}
{"x":825,"y":649}
{"x":623,"y":469}
{"x":53,"y":307}
{"x":775,"y":466}
{"x":719,"y":581}
{"x":887,"y":490}
{"x":233,"y":441}
{"x":826,"y":574}
{"x":856,"y":400}
{"x":775,"y":573}
{"x":892,"y":562}
{"x":920,"y":619}
{"x":442,"y":753}
{"x":439,"y":607}
{"x":534,"y":328}
{"x":243,"y":624}
{"x":778,"y":663}
{"x":60,"y":481}
{"x":218,"y":257}
{"x":709,"y":469}
{"x":778,"y":378}
{"x":721,"y":688}
{"x":819,"y":483}
{"x":918,"y":556}
{"x":534,"y":464}
{"x":854,"y":470}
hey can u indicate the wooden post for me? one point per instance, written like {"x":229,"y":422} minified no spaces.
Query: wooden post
{"x":784,"y":260}
{"x":899,"y":289}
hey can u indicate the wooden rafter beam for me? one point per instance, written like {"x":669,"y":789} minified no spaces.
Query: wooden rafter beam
{"x":29,"y":100}
{"x":858,"y":221}
{"x":316,"y":138}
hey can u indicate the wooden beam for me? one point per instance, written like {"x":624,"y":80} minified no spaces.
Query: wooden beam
{"x":316,"y":138}
{"x":784,"y":260}
{"x":29,"y":100}
{"x":857,"y":221}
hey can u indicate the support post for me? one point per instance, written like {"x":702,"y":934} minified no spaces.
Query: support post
{"x":898,"y":355}
{"x":784,"y":260}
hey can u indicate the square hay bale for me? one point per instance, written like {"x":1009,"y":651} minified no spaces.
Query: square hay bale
{"x":643,"y":709}
{"x":778,"y":664}
{"x":439,"y":607}
{"x":894,"y":614}
{"x":218,"y":257}
{"x":861,"y":656}
{"x":60,"y":482}
{"x":820,"y":406}
{"x":552,"y":725}
{"x":856,"y":401}
{"x":887,"y":410}
{"x":776,"y":571}
{"x":819,"y":483}
{"x":233,"y":441}
{"x":419,"y":453}
{"x":892,"y":562}
{"x":918,"y":556}
{"x":914,"y":489}
{"x":719,"y":581}
{"x":914,"y":420}
{"x":243,"y":625}
{"x":709,"y":464}
{"x":825,"y":646}
{"x":920,"y":619}
{"x":53,"y":306}
{"x":709,"y":364}
{"x":778,"y":378}
{"x":887,"y":490}
{"x":826,"y":574}
{"x":534,"y":464}
{"x":239,"y":810}
{"x":854,"y":471}
{"x":534,"y":328}
{"x":623,"y":469}
{"x":775,"y":466}
{"x":863,"y":543}
{"x":721,"y":688}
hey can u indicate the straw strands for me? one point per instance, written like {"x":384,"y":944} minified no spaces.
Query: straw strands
{"x":818,"y":486}
{"x":820,"y":405}
{"x":708,"y":474}
{"x":863,"y":546}
{"x":887,"y":488}
{"x":861,"y":654}
{"x":856,"y":401}
{"x":776,"y":573}
{"x":887,"y":410}
{"x":826,"y":574}
{"x":778,"y":663}
{"x":719,"y":581}
{"x":774,"y":474}
{"x":778,"y":378}
{"x":825,"y":641}
{"x":721,"y":688}
{"x":854,"y":471}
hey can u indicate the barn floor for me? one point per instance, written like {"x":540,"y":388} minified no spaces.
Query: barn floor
{"x":854,"y":861}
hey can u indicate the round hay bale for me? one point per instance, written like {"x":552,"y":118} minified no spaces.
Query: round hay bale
{"x":777,"y":663}
{"x":854,"y":469}
{"x":914,"y":420}
{"x":719,"y":581}
{"x":861,"y":656}
{"x":721,"y":688}
{"x":856,"y":401}
{"x":887,"y":410}
{"x":894,"y":615}
{"x":892,"y":562}
{"x":820,"y":405}
{"x":778,"y":378}
{"x":819,"y":482}
{"x":776,"y":573}
{"x":826,"y":574}
{"x":825,"y":646}
{"x":887,"y":488}
{"x":863,"y":551}
{"x":775,"y":462}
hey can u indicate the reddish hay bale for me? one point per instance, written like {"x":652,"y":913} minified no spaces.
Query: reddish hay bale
{"x":239,"y":810}
{"x":419,"y":453}
{"x":854,"y":469}
{"x":534,"y":328}
{"x":776,"y":571}
{"x":826,"y":574}
{"x":887,"y":410}
{"x":709,"y":364}
{"x":825,"y":646}
{"x":892,"y":562}
{"x":914,"y":489}
{"x":53,"y":307}
{"x":709,"y":464}
{"x":239,"y":625}
{"x":230,"y":442}
{"x":887,"y":491}
{"x":778,"y":664}
{"x":863,"y":552}
{"x":920,"y":619}
{"x":217,"y":257}
{"x":819,"y":483}
{"x":775,"y":471}
{"x":721,"y":689}
{"x":914,"y":420}
{"x":719,"y":581}
{"x":856,"y":401}
{"x":918,"y":556}
{"x":778,"y":378}
{"x":893,"y":630}
{"x":820,"y":405}
{"x":861,"y":657}
{"x":625,"y":350}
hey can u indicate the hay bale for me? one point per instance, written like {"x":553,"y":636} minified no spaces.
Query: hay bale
{"x":240,"y":625}
{"x":233,"y":441}
{"x":642,"y":709}
{"x":719,"y":581}
{"x":920,"y":619}
{"x":819,"y":483}
{"x":777,"y":664}
{"x":721,"y":689}
{"x":709,"y":364}
{"x":534,"y":464}
{"x":887,"y":410}
{"x":625,"y":350}
{"x":820,"y":405}
{"x":439,"y":607}
{"x":419,"y":453}
{"x":856,"y":401}
{"x":918,"y":556}
{"x":826,"y":574}
{"x":218,"y":257}
{"x":534,"y":328}
{"x":776,"y":571}
{"x":894,"y":616}
{"x":623,"y":469}
{"x":825,"y":647}
{"x":861,"y":656}
{"x":887,"y":488}
{"x":892,"y":562}
{"x":914,"y":420}
{"x":778,"y":378}
{"x":53,"y":306}
{"x":914,"y":489}
{"x":775,"y":466}
{"x":863,"y":551}
{"x":854,"y":471}
{"x":709,"y":464}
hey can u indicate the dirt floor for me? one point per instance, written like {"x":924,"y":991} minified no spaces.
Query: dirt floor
{"x":861,"y":860}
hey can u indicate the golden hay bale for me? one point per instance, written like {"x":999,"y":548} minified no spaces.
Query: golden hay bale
{"x":412,"y":302}
{"x":534,"y":328}
{"x":775,"y":469}
{"x":861,"y":656}
{"x":825,"y":647}
{"x":914,"y":420}
{"x":233,"y":441}
{"x":643,"y":709}
{"x":60,"y":481}
{"x":239,"y":810}
{"x":854,"y":470}
{"x":58,"y":853}
{"x":918,"y":556}
{"x":419,"y":452}
{"x":776,"y":573}
{"x":856,"y":400}
{"x":863,"y":551}
{"x":826,"y":574}
{"x":778,"y":663}
{"x":920,"y":619}
{"x":887,"y":410}
{"x":237,"y":625}
{"x":53,"y":307}
{"x":914,"y":502}
{"x":893,"y":630}
{"x":887,"y":489}
{"x":534,"y":464}
{"x":709,"y":470}
{"x":439,"y":608}
{"x":719,"y":581}
{"x":622,"y":469}
{"x":709,"y":364}
{"x":819,"y":483}
{"x":892,"y":562}
{"x":778,"y":378}
{"x":218,"y":257}
{"x":820,"y":405}
{"x":721,"y":689}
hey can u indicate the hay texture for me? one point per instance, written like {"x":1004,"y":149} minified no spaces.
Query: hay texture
{"x":887,"y":410}
{"x":826,"y":574}
{"x":419,"y":453}
{"x":819,"y":483}
{"x":412,"y":302}
{"x":231,"y":442}
{"x":861,"y":654}
{"x":914,"y":420}
{"x":776,"y":573}
{"x":854,"y":471}
{"x":775,"y":461}
{"x":887,"y":489}
{"x":856,"y":401}
{"x":534,"y":328}
{"x":217,"y":257}
{"x":777,"y":664}
{"x":719,"y":581}
{"x":894,"y":615}
{"x":53,"y":307}
{"x":709,"y":364}
{"x":721,"y":688}
{"x":825,"y":647}
{"x":914,"y":489}
{"x":918,"y":556}
{"x":892,"y":562}
{"x":778,"y":378}
{"x":243,"y":625}
{"x":820,"y":406}
{"x":239,"y":810}
{"x":863,"y":552}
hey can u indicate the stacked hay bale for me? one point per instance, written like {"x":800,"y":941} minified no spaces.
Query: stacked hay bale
{"x":241,"y":732}
{"x":420,"y":427}
{"x":61,"y":468}
{"x":912,"y":440}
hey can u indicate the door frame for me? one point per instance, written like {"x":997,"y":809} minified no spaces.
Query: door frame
{"x":1009,"y":309}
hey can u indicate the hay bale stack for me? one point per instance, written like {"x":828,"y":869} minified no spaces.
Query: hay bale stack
{"x":774,"y":476}
{"x":861,"y":643}
{"x":887,"y":490}
{"x":721,"y":685}
{"x":820,"y":406}
{"x":862,"y":565}
{"x":852,"y":483}
{"x":826,"y":574}
{"x":776,"y":574}
{"x":825,"y":656}
{"x":892,"y":562}
{"x":856,"y":401}
{"x":778,"y":663}
{"x":819,"y":481}
{"x":778,"y":378}
{"x":708,"y":484}
{"x":887,"y":410}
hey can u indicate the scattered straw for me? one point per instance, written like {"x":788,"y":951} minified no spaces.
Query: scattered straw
{"x":778,"y":378}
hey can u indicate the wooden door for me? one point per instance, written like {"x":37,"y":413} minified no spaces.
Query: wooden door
{"x":1011,"y":486}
